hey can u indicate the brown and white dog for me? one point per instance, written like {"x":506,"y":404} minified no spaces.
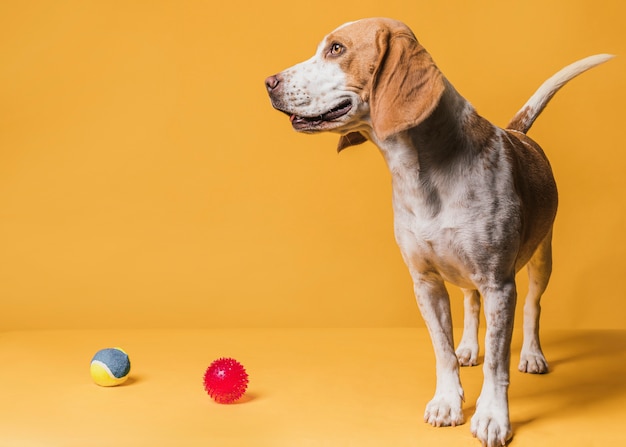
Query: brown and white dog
{"x":473,"y":203}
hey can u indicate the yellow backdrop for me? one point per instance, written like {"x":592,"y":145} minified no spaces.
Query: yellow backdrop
{"x":145,"y":180}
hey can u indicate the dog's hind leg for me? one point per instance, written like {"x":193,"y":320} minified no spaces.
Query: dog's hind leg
{"x":467,"y":351}
{"x":539,"y":268}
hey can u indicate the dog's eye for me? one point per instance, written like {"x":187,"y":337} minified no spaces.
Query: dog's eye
{"x":336,"y":49}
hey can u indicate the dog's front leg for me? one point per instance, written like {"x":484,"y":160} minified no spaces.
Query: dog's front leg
{"x":490,"y":423}
{"x":446,"y":406}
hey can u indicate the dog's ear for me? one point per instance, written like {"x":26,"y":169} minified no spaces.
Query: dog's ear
{"x":406,"y":86}
{"x":351,"y":139}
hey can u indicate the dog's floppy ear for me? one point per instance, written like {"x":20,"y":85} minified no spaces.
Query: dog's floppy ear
{"x":406,"y":86}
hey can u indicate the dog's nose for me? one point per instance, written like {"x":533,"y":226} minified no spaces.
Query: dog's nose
{"x":272,"y":83}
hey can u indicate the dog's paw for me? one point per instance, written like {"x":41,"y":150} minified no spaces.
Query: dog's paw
{"x":467,"y":354}
{"x":445,"y":410}
{"x":491,"y":427}
{"x":532,"y":361}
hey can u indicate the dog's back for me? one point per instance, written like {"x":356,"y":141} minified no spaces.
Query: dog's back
{"x":538,"y":191}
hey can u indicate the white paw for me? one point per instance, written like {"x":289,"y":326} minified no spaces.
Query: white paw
{"x":445,"y":410}
{"x":533,"y":362}
{"x":491,"y":427}
{"x":467,"y":354}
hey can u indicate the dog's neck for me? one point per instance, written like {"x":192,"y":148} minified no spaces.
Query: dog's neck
{"x":451,"y":134}
{"x":428,"y":158}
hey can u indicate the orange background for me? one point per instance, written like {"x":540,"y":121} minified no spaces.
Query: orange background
{"x":150,"y":194}
{"x":146,"y":182}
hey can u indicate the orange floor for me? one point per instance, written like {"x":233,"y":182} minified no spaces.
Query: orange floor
{"x":353,"y":387}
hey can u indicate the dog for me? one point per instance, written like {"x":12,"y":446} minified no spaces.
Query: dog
{"x":473,"y":203}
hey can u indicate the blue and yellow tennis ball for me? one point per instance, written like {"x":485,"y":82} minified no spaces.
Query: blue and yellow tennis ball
{"x":110,"y":367}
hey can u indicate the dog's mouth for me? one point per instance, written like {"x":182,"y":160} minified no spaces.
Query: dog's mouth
{"x":311,"y":122}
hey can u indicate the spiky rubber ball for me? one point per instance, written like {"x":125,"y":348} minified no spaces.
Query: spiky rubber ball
{"x":225,"y":380}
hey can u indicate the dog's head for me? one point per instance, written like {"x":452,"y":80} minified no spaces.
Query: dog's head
{"x":366,"y":76}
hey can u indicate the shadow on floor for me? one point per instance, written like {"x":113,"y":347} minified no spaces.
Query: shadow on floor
{"x":586,"y":369}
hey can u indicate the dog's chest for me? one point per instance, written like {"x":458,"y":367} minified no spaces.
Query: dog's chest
{"x":455,"y":226}
{"x":432,"y":239}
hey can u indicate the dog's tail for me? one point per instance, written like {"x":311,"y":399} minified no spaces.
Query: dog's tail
{"x":524,"y":119}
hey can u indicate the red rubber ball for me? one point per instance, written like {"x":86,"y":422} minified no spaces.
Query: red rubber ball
{"x":225,"y":380}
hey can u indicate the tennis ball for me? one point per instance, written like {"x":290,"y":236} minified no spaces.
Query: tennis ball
{"x":110,"y":367}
